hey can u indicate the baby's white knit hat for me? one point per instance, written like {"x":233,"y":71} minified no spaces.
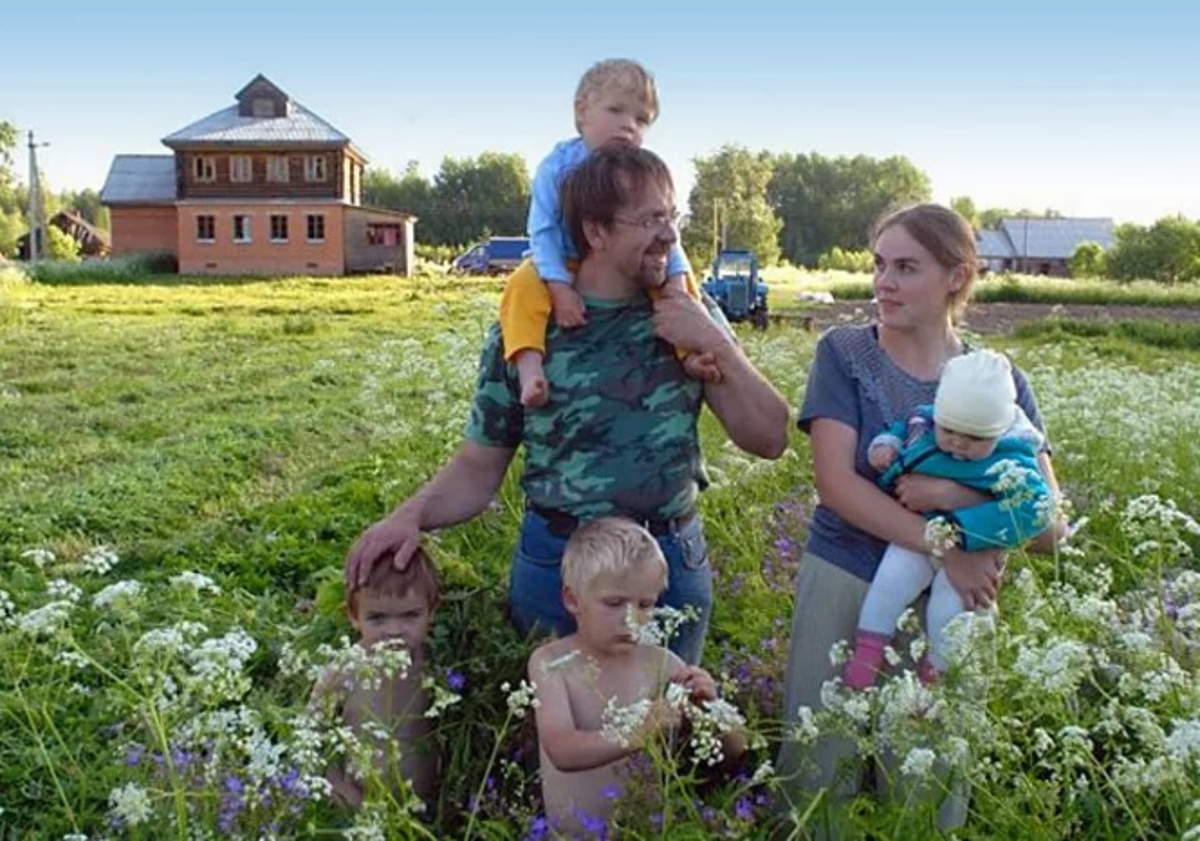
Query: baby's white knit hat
{"x":976,"y":395}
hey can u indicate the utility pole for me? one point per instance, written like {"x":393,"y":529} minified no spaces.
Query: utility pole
{"x":36,"y":223}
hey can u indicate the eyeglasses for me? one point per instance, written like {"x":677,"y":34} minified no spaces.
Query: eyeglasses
{"x":657,"y":221}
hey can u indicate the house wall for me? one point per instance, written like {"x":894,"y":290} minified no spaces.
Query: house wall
{"x":335,"y":185}
{"x":362,"y":256}
{"x":260,"y":255}
{"x":146,"y":228}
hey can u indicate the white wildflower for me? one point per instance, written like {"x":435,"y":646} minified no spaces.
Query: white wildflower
{"x":805,"y":730}
{"x":131,"y":804}
{"x":99,"y":560}
{"x":60,"y":588}
{"x":890,"y":655}
{"x":940,"y":535}
{"x":121,"y":591}
{"x":766,"y":770}
{"x":46,"y":620}
{"x":217,"y":665}
{"x":918,"y":762}
{"x":521,"y":699}
{"x":195,"y":581}
{"x":8,"y":609}
{"x":839,"y":653}
{"x":443,"y":698}
{"x":1184,"y":742}
{"x":1057,"y":669}
{"x":40,"y":557}
{"x":72,"y":658}
{"x":620,"y":724}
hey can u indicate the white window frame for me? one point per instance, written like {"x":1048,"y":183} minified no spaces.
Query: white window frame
{"x":212,"y":220}
{"x":241,"y":169}
{"x":308,"y":226}
{"x":286,"y":226}
{"x":204,"y":169}
{"x":316,"y":168}
{"x":277,"y":169}
{"x":247,"y":229}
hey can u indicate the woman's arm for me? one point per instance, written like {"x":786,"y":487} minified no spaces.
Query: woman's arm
{"x":862,"y":504}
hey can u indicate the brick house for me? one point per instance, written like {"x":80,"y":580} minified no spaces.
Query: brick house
{"x":263,"y":187}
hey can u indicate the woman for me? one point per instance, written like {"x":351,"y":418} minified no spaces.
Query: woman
{"x":864,"y":377}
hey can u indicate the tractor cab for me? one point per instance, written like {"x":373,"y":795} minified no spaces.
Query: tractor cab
{"x":735,"y":286}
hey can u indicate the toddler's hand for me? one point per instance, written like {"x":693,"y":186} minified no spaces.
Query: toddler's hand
{"x":881,"y":457}
{"x":567,"y":304}
{"x":702,"y":367}
{"x":699,"y":683}
{"x":661,"y":719}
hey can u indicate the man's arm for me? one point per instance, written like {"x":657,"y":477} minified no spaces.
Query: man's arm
{"x":460,"y":491}
{"x":752,"y":411}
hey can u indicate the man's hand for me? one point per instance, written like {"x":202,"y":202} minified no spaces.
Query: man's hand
{"x":975,"y":575}
{"x":567,"y":304}
{"x":393,"y":540}
{"x":684,"y":322}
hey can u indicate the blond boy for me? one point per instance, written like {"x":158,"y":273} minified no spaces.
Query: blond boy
{"x":393,"y":609}
{"x":615,"y":102}
{"x":613,"y":572}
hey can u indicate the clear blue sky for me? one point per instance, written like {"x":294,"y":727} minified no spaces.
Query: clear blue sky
{"x":1092,"y":109}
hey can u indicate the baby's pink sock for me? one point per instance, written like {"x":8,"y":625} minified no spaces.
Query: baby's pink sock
{"x":868,"y":658}
{"x":927,"y":673}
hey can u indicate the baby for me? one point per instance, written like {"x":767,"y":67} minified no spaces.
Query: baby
{"x":613,"y":573}
{"x":394,"y":609}
{"x":615,"y":102}
{"x":977,"y":435}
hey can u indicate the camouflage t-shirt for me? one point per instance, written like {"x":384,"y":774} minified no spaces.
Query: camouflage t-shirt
{"x":618,"y":434}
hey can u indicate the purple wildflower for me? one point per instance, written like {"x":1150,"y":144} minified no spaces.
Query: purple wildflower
{"x":456,"y":680}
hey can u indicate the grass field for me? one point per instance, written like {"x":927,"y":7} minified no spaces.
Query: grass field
{"x":183,"y":466}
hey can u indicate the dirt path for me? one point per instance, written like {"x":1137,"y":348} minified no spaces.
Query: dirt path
{"x":1000,"y":318}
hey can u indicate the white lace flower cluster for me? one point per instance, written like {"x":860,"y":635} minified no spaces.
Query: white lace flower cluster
{"x":662,"y":624}
{"x":1154,"y":524}
{"x":443,"y":698}
{"x":99,"y":560}
{"x":940,"y":535}
{"x":365,"y":667}
{"x":8,"y":610}
{"x":520,"y":699}
{"x":197,"y":582}
{"x":710,"y":720}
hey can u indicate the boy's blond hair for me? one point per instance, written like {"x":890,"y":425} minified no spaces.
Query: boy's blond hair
{"x":606,"y":546}
{"x":618,"y":74}
{"x":385,"y":580}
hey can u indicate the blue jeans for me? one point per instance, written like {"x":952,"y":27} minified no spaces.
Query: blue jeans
{"x":535,"y":583}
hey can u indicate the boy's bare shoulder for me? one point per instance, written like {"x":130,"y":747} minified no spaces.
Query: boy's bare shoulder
{"x":551,"y":654}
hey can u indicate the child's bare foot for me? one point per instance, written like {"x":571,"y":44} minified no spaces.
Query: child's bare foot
{"x":535,"y":391}
{"x":703,"y":367}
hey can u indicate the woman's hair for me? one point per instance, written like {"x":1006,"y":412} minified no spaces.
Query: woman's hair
{"x":946,"y":235}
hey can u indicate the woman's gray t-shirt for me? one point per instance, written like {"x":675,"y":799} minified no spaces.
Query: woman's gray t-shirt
{"x":852,"y":380}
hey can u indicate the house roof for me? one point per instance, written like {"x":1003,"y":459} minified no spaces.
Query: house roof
{"x":140,"y":179}
{"x":993,"y":245}
{"x":297,"y":125}
{"x":1052,"y":238}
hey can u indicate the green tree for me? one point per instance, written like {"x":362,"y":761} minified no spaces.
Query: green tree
{"x":60,"y":245}
{"x":826,"y":202}
{"x":472,"y":196}
{"x":1168,"y":251}
{"x":966,"y":209}
{"x":1088,"y":260}
{"x":730,"y":195}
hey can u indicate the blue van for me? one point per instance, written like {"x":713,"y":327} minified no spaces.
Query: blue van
{"x":498,"y":255}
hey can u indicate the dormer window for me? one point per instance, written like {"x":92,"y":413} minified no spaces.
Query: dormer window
{"x":204,"y":169}
{"x":262,"y":107}
{"x":314,"y":168}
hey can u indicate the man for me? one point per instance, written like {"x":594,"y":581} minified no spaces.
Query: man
{"x":619,"y":433}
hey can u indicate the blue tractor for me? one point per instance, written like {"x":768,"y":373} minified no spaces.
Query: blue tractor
{"x":735,"y":286}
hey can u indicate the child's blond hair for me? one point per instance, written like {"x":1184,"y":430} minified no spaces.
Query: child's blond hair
{"x":618,"y":74}
{"x":606,"y":546}
{"x":385,"y":580}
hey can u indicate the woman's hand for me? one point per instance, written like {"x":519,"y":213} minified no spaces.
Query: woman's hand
{"x":930,"y":493}
{"x":975,"y":575}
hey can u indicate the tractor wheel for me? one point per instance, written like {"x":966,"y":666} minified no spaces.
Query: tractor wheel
{"x":760,"y":319}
